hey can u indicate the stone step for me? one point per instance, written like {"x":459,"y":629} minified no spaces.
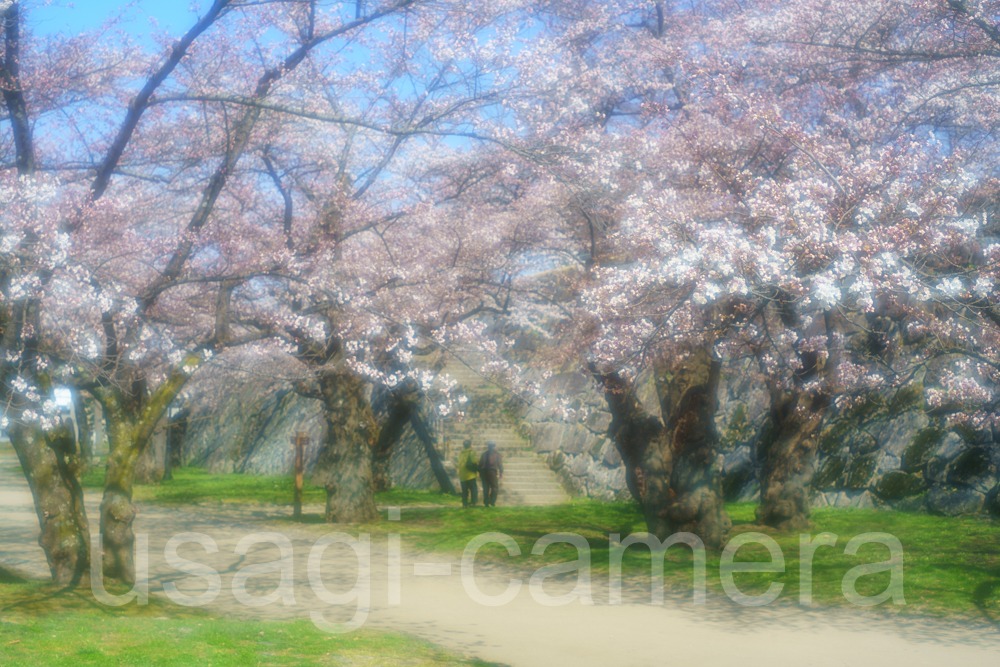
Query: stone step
{"x":536,"y":491}
{"x":535,"y":485}
{"x":517,"y":447}
{"x":525,"y":468}
{"x":521,"y":483}
{"x":526,"y":493}
{"x":477,"y":431}
{"x":518,"y":501}
{"x":479,"y":444}
{"x":514,"y":444}
{"x":511,"y":476}
{"x":532,"y":477}
{"x":530,"y":488}
{"x":487,"y":433}
{"x":531,"y":501}
{"x":502,"y":446}
{"x":527,"y":479}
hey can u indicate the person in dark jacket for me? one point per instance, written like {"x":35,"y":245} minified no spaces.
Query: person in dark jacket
{"x":491,"y":471}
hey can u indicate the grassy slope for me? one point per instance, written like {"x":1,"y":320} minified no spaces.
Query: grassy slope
{"x":193,"y":485}
{"x":39,"y":626}
{"x":951,"y":565}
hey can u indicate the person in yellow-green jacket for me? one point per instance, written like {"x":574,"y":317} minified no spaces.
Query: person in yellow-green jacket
{"x":467,"y":471}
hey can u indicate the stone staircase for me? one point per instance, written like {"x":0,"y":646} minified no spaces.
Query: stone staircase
{"x":527,"y":479}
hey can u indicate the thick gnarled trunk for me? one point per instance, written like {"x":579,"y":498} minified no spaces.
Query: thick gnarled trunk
{"x":131,"y":419}
{"x":786,"y":451}
{"x":117,"y":511}
{"x":645,"y":449}
{"x":344,"y":465}
{"x":52,"y":466}
{"x":786,"y":448}
{"x":672,"y":466}
{"x":695,"y":503}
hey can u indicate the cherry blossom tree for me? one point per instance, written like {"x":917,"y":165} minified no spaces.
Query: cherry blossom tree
{"x":606,"y":173}
{"x":248,"y":192}
{"x":906,"y":102}
{"x":795,"y":192}
{"x":761,"y":189}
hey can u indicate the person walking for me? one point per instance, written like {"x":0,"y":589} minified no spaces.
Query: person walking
{"x":467,"y":469}
{"x":491,"y":470}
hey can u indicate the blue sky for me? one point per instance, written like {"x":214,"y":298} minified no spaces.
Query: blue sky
{"x":173,"y":16}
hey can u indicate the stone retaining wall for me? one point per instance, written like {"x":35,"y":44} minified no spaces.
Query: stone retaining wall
{"x":888,"y":452}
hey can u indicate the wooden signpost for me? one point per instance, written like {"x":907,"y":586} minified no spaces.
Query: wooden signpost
{"x":299,"y":442}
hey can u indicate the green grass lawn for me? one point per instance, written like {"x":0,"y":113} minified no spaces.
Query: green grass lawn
{"x":951,"y":565}
{"x":194,"y":485}
{"x":39,"y":625}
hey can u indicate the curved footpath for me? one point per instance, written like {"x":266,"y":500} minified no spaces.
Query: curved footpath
{"x":522,"y":632}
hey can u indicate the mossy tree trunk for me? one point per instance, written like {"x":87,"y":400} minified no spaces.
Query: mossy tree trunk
{"x":671,"y":465}
{"x":645,"y":450}
{"x":786,"y":451}
{"x":49,"y":459}
{"x":696,"y":503}
{"x":131,"y":417}
{"x":344,"y":465}
{"x":52,"y":466}
{"x":117,"y":511}
{"x":789,"y":438}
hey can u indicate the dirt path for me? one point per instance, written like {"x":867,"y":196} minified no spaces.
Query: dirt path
{"x":522,"y":632}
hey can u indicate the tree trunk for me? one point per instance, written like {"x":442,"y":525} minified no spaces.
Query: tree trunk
{"x":344,"y":465}
{"x":176,"y":428}
{"x":400,"y":409}
{"x":645,"y":450}
{"x":117,"y":511}
{"x":53,"y":468}
{"x":672,"y":467}
{"x":695,"y":502}
{"x":85,"y":436}
{"x":786,"y":450}
{"x":424,"y":433}
{"x":131,"y":419}
{"x":99,"y":433}
{"x":151,"y":466}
